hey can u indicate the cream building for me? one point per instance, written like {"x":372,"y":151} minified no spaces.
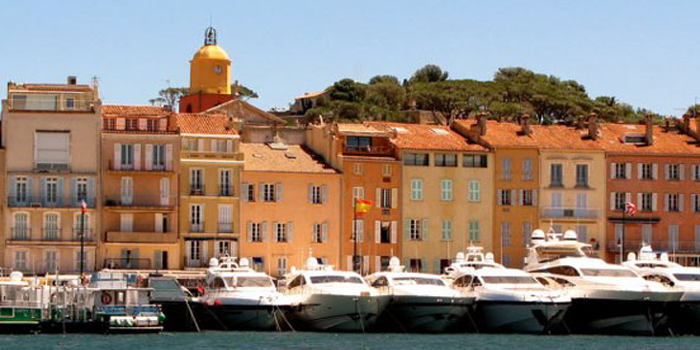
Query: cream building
{"x":51,"y":133}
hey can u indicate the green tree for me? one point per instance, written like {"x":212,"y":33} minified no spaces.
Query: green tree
{"x":347,"y":90}
{"x":377,"y":79}
{"x":169,"y":96}
{"x":430,"y":73}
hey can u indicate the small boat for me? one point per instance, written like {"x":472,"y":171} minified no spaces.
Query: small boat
{"x":20,"y":305}
{"x":417,"y":302}
{"x":324,"y":299}
{"x":239,"y":298}
{"x":606,"y":298}
{"x":507,"y":300}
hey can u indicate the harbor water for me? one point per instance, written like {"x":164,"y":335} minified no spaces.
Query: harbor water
{"x":302,"y":340}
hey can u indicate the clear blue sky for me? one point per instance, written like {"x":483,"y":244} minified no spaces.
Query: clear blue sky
{"x":645,"y":53}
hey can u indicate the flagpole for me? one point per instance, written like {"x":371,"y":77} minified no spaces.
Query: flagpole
{"x":622,"y":239}
{"x":83,"y":209}
{"x":354,"y":234}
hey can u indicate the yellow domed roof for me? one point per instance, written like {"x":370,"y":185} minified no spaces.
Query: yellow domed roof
{"x":211,"y":52}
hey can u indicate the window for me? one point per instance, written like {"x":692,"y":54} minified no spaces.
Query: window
{"x":358,"y":168}
{"x":218,"y":145}
{"x":195,"y":250}
{"x":474,"y":191}
{"x":20,"y":260}
{"x":446,"y":230}
{"x":249,"y":192}
{"x":445,"y":160}
{"x":127,"y":190}
{"x":281,"y":232}
{"x":132,"y":124}
{"x":672,"y":238}
{"x":696,"y":173}
{"x":474,"y":231}
{"x":418,"y":159}
{"x":358,"y":230}
{"x":527,"y":233}
{"x":582,"y":233}
{"x":51,"y":194}
{"x":505,"y":197}
{"x":556,"y":175}
{"x":51,"y":260}
{"x":582,"y":175}
{"x":385,"y":232}
{"x":81,"y":189}
{"x":386,"y":170}
{"x":358,"y":193}
{"x":269,"y":193}
{"x":196,"y":221}
{"x":505,"y":234}
{"x":151,"y":125}
{"x":673,"y":202}
{"x":110,"y":123}
{"x":225,"y":220}
{"x":527,"y":169}
{"x":414,"y":228}
{"x":317,"y":233}
{"x":315,"y":195}
{"x":70,"y":103}
{"x":385,"y":198}
{"x":556,"y":200}
{"x":51,"y":226}
{"x":695,"y":203}
{"x":126,"y":222}
{"x":225,"y":187}
{"x":223,"y":248}
{"x":359,"y":144}
{"x":647,"y":171}
{"x":674,"y":171}
{"x":127,"y":156}
{"x":647,"y":234}
{"x":255,"y":231}
{"x":52,"y":150}
{"x":158,"y":157}
{"x":196,"y":181}
{"x":526,"y":197}
{"x":474,"y":161}
{"x":646,"y":202}
{"x":416,"y":265}
{"x":416,"y":190}
{"x":22,"y":190}
{"x":21,"y":226}
{"x":619,"y":228}
{"x":446,"y":190}
{"x":620,"y":200}
{"x":505,"y":168}
{"x":620,"y":170}
{"x":581,"y":201}
{"x":281,"y":266}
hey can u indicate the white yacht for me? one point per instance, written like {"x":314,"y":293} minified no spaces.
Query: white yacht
{"x":473,"y":259}
{"x":606,"y":298}
{"x":239,"y":298}
{"x":684,"y":315}
{"x":507,"y":300}
{"x":324,"y":299}
{"x":417,"y":302}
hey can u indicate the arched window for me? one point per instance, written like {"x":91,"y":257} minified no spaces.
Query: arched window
{"x":52,"y":226}
{"x":20,"y":228}
{"x":81,"y":223}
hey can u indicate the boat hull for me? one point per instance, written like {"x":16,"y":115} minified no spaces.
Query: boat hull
{"x":426,"y":314}
{"x":519,"y":317}
{"x":337,"y":313}
{"x":243,"y":317}
{"x":19,"y":319}
{"x":618,"y":317}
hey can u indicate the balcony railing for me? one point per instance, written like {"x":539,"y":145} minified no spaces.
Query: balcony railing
{"x":225,"y":227}
{"x":42,"y":201}
{"x":226,"y":191}
{"x":661,"y":245}
{"x":48,"y":235}
{"x":197,"y":190}
{"x":367,"y":149}
{"x":197,"y":227}
{"x":569,"y":213}
{"x":142,"y":168}
{"x":127,"y":263}
{"x":31,"y":103}
{"x":139,"y":202}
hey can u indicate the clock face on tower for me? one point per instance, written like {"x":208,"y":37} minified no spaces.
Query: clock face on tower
{"x":218,"y":69}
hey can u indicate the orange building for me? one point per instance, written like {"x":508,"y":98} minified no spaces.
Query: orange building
{"x":658,"y":170}
{"x":290,"y":208}
{"x":140,"y":167}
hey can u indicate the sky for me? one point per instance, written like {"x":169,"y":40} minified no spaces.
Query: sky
{"x":645,"y":53}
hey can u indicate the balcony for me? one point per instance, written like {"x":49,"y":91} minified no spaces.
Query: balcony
{"x":197,"y":227}
{"x":226,"y":191}
{"x":161,"y":168}
{"x":48,"y":103}
{"x":43,"y":201}
{"x":367,"y":150}
{"x":662,"y":246}
{"x":225,"y":227}
{"x":569,"y":213}
{"x":127,"y":263}
{"x":141,"y":237}
{"x":156,"y":203}
{"x":197,"y":190}
{"x":48,"y":236}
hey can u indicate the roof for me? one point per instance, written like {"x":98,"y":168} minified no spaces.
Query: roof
{"x":665,"y":142}
{"x":124,"y":110}
{"x":310,"y":95}
{"x":243,"y":110}
{"x":428,"y":137}
{"x":360,"y":129}
{"x":293,"y":159}
{"x":203,"y":123}
{"x":507,"y":135}
{"x":211,"y":52}
{"x":51,"y":87}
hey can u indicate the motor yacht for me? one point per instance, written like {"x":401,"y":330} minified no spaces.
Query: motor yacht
{"x":606,"y":298}
{"x":239,"y":298}
{"x":20,"y":305}
{"x":684,"y":316}
{"x":324,"y":299}
{"x":417,"y":302}
{"x":508,"y":300}
{"x":473,"y":259}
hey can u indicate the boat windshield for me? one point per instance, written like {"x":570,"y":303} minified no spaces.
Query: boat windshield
{"x":335,"y":279}
{"x":424,"y":281}
{"x":608,"y":273}
{"x":687,"y":277}
{"x":249,"y":281}
{"x":545,"y":254}
{"x":509,"y":279}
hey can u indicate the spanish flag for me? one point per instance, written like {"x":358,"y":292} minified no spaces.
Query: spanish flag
{"x":362,"y":206}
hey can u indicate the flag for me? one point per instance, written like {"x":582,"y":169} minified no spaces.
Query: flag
{"x":83,"y":206}
{"x":362,"y":206}
{"x":630,"y":208}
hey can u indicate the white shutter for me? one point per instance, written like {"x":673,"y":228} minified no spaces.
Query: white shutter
{"x":394,"y":198}
{"x":628,"y":198}
{"x":639,"y":170}
{"x":324,"y":232}
{"x":126,"y":222}
{"x":394,"y":232}
{"x":168,"y":157}
{"x":653,"y":201}
{"x":165,"y":191}
{"x":655,"y":171}
{"x":149,"y":157}
{"x":681,"y":172}
{"x":142,"y":124}
{"x":163,"y":124}
{"x":612,"y":200}
{"x":534,"y":197}
{"x":612,"y":170}
{"x":137,"y":156}
{"x":279,"y":192}
{"x":324,"y":194}
{"x":377,"y":231}
{"x":200,"y":145}
{"x":680,"y":202}
{"x":665,"y":201}
{"x":290,"y":231}
{"x":520,"y":197}
{"x":159,"y":222}
{"x":628,"y":170}
{"x":117,"y":156}
{"x":377,"y":263}
{"x":213,"y":146}
{"x":349,"y":266}
{"x":229,"y":146}
{"x":639,"y":201}
{"x":121,"y":124}
{"x":378,"y":196}
{"x":311,"y":194}
{"x":365,"y":264}
{"x":513,"y":196}
{"x":666,"y":171}
{"x":500,"y":197}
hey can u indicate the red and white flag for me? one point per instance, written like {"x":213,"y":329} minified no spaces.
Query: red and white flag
{"x":83,"y":207}
{"x":630,"y":208}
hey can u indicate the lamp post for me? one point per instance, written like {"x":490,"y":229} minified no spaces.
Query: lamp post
{"x":83,"y":210}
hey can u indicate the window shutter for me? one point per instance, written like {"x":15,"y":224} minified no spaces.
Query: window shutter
{"x":159,"y":222}
{"x":436,"y":266}
{"x":513,"y":197}
{"x":74,"y":191}
{"x":628,"y":170}
{"x":639,"y":201}
{"x":612,"y":200}
{"x":680,"y":202}
{"x":394,"y":198}
{"x":213,"y":146}
{"x":612,"y":170}
{"x":361,"y":230}
{"x":117,"y":156}
{"x":665,"y":201}
{"x":520,"y":197}
{"x":265,"y":231}
{"x":121,"y":124}
{"x":168,"y":157}
{"x":200,"y":145}
{"x":324,"y":232}
{"x":163,"y":124}
{"x":290,"y":231}
{"x":653,"y":201}
{"x":639,"y":170}
{"x":142,"y":124}
{"x":274,"y":231}
{"x":249,"y":231}
{"x":279,"y":192}
{"x":137,"y":156}
{"x":261,"y":192}
{"x":377,"y":263}
{"x":666,"y":171}
{"x":229,"y":146}
{"x":311,"y":194}
{"x":407,"y":229}
{"x":324,"y":194}
{"x":244,"y":192}
{"x":378,"y":196}
{"x":348,"y":261}
{"x":500,"y":197}
{"x":655,"y":171}
{"x":681,"y":172}
{"x":149,"y":157}
{"x":377,"y":231}
{"x":60,"y":191}
{"x":628,"y":198}
{"x":394,"y":228}
{"x":423,"y":265}
{"x":365,"y":263}
{"x":424,"y":230}
{"x":13,"y":189}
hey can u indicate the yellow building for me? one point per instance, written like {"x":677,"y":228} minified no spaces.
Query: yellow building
{"x":51,"y":134}
{"x":446,"y":194}
{"x":140,"y":167}
{"x":210,"y":177}
{"x":291,"y":208}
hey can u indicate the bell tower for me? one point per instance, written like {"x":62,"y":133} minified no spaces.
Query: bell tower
{"x":210,"y":77}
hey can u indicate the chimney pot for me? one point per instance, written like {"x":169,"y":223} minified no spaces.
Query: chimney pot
{"x":593,"y":126}
{"x":525,"y":123}
{"x":481,"y":123}
{"x":72,"y":80}
{"x":649,"y":130}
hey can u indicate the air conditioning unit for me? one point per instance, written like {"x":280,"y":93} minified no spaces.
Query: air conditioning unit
{"x":35,"y":205}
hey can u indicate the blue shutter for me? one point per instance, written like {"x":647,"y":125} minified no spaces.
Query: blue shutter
{"x":60,"y":191}
{"x":30,"y":189}
{"x":74,"y":192}
{"x":91,"y":192}
{"x":13,"y":191}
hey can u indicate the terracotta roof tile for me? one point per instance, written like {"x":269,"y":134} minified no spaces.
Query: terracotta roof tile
{"x":357,"y":128}
{"x":203,"y":123}
{"x":123,"y":110}
{"x":50,"y":87}
{"x":295,"y":159}
{"x":671,"y":142}
{"x":428,"y":137}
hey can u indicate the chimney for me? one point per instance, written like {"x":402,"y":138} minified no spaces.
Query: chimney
{"x":649,"y":131}
{"x":667,"y":124}
{"x":685,"y":126}
{"x":72,"y":80}
{"x":481,"y":123}
{"x":593,"y":126}
{"x":525,"y":124}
